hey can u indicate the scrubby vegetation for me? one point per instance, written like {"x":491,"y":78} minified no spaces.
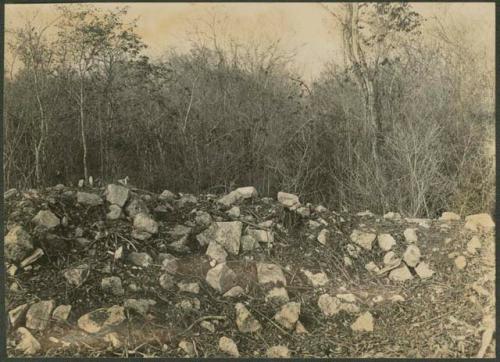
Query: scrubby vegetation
{"x":402,"y":125}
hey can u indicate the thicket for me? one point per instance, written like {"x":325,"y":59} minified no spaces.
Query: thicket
{"x":405,"y":128}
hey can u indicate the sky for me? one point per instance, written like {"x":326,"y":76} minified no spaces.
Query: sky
{"x":304,"y":28}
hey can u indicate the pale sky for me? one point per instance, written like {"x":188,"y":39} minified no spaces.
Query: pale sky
{"x":303,"y":27}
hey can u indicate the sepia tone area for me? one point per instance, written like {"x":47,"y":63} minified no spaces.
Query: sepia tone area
{"x":250,"y":180}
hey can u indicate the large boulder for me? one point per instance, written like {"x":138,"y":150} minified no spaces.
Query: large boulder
{"x":290,"y":201}
{"x":17,"y":244}
{"x":143,"y":222}
{"x":479,"y":222}
{"x":38,"y":315}
{"x":102,"y":319}
{"x":27,"y":344}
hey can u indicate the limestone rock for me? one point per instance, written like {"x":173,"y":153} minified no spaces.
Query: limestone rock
{"x":329,"y":305}
{"x":278,"y":352}
{"x":167,"y":281}
{"x":386,"y":242}
{"x":390,"y":258}
{"x":364,"y":323}
{"x":460,"y":262}
{"x":248,"y":243}
{"x":88,"y":199}
{"x":193,"y":288}
{"x":143,"y":260}
{"x":208,"y":326}
{"x":473,"y":245}
{"x":141,"y":306}
{"x":372,"y":267}
{"x":226,"y":234}
{"x":112,"y":285}
{"x":27,"y":344}
{"x":234,"y":292}
{"x":221,"y":278}
{"x":400,"y":274}
{"x":187,"y":347}
{"x":140,"y":235}
{"x":348,"y":297}
{"x":216,"y":252}
{"x":203,"y":218}
{"x":449,"y":216}
{"x":288,"y":315}
{"x":47,"y":219}
{"x":169,"y":263}
{"x":117,"y":195}
{"x":38,"y":315}
{"x":479,"y":222}
{"x":412,"y":256}
{"x":179,"y":231}
{"x":77,"y":276}
{"x":288,"y":200}
{"x":143,"y":222}
{"x":136,"y":206}
{"x":234,"y":212}
{"x":114,"y":339}
{"x":228,"y":346}
{"x":323,"y":236}
{"x":186,"y":199}
{"x":411,"y":235}
{"x":270,"y":273}
{"x":61,"y":312}
{"x":115,"y":212}
{"x":278,"y":295}
{"x":167,"y":195}
{"x":363,"y":239}
{"x":101,"y":319}
{"x":261,"y":236}
{"x":17,"y":244}
{"x":245,"y":322}
{"x":423,"y":271}
{"x":392,"y":216}
{"x":317,"y":280}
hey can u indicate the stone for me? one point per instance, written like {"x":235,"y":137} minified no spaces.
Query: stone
{"x":270,"y":273}
{"x":88,"y":199}
{"x":390,"y":258}
{"x":348,"y":297}
{"x":229,"y":199}
{"x":226,"y":233}
{"x":364,"y":323}
{"x":47,"y":219}
{"x":38,"y":315}
{"x":411,"y":235}
{"x":167,"y":281}
{"x":323,"y":236}
{"x":17,"y":315}
{"x":412,"y":256}
{"x":136,"y":206}
{"x":353,"y":250}
{"x":425,"y":223}
{"x":278,"y":352}
{"x":261,"y":236}
{"x":180,"y":245}
{"x":193,"y":288}
{"x":180,"y":231}
{"x":37,"y":254}
{"x":317,"y":280}
{"x":392,"y":216}
{"x":143,"y":222}
{"x":248,"y":243}
{"x":460,"y":262}
{"x":61,"y":312}
{"x":329,"y":305}
{"x":203,"y":218}
{"x":288,"y":315}
{"x":386,"y":242}
{"x":347,"y":261}
{"x":102,"y":319}
{"x":187,"y":347}
{"x":278,"y":295}
{"x":228,"y":346}
{"x":313,"y":225}
{"x":234,"y":212}
{"x":449,"y":216}
{"x":473,"y":245}
{"x":216,"y":252}
{"x":366,"y":213}
{"x":189,"y":304}
{"x":245,"y":322}
{"x":423,"y":271}
{"x":117,"y":195}
{"x":237,"y":195}
{"x":400,"y":274}
{"x":114,"y":339}
{"x":221,"y":278}
{"x":303,"y":211}
{"x":112,"y":285}
{"x":77,"y":276}
{"x":208,"y":326}
{"x":140,"y":235}
{"x":479,"y":222}
{"x":141,"y":306}
{"x":363,"y":239}
{"x":247,"y":192}
{"x":320,"y":209}
{"x":27,"y":344}
{"x":17,"y":244}
{"x":143,"y":260}
{"x":372,"y":267}
{"x":186,"y":199}
{"x":167,"y":195}
{"x":169,"y":263}
{"x":234,"y":292}
{"x":288,"y":200}
{"x":115,"y":212}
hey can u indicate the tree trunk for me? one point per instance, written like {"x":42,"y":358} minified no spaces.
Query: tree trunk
{"x":82,"y":125}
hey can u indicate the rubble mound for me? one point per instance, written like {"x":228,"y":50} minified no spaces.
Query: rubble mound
{"x":123,"y":272}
